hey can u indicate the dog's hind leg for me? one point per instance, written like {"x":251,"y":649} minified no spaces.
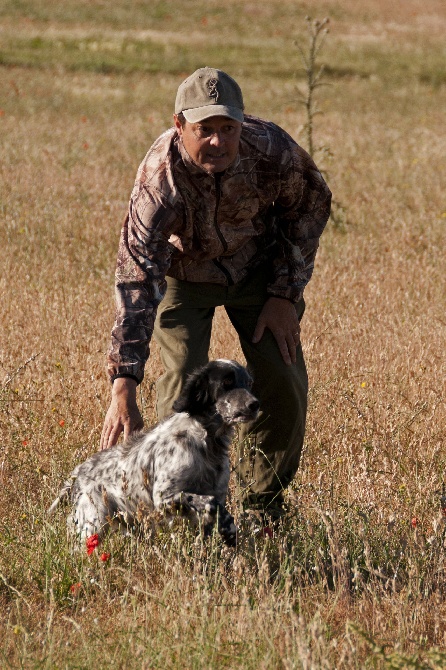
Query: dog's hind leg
{"x":65,"y":492}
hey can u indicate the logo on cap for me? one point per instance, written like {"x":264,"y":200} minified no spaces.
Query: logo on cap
{"x":212,"y":87}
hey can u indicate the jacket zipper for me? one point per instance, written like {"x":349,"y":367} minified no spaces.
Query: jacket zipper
{"x":217,"y":202}
{"x":219,"y":233}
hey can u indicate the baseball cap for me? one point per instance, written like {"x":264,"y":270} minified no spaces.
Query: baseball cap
{"x":209,"y":92}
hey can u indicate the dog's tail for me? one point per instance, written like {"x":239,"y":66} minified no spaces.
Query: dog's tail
{"x":64,"y":494}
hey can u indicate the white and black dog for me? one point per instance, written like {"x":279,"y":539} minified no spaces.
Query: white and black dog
{"x":181,"y":467}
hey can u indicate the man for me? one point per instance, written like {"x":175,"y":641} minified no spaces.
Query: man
{"x":226,"y":210}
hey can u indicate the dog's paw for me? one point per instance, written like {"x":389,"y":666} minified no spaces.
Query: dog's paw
{"x":227,"y":527}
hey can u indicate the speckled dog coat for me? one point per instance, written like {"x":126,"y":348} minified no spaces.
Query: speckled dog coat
{"x":180,"y":467}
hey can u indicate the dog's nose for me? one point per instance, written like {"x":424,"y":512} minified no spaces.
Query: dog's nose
{"x":254,"y":406}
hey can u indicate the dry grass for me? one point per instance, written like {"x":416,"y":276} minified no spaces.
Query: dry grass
{"x":348,"y":582}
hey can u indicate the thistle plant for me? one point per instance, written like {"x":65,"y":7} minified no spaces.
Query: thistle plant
{"x":317,"y":32}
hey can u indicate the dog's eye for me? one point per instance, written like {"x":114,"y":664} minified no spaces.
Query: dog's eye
{"x":228,"y":382}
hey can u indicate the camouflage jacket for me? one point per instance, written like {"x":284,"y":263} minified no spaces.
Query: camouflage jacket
{"x":270,"y":206}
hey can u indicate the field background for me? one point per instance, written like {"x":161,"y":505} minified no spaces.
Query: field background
{"x":356,"y":577}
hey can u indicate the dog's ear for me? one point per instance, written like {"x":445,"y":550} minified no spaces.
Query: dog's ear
{"x":195,"y":396}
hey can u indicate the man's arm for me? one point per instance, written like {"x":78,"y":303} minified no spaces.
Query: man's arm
{"x":300,"y":213}
{"x":143,"y":259}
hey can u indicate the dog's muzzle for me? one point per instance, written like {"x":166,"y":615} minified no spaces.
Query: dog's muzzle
{"x":238,"y":406}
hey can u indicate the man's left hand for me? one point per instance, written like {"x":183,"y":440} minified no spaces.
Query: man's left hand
{"x":280,"y":317}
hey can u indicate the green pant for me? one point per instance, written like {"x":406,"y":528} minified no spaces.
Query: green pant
{"x":268,"y":449}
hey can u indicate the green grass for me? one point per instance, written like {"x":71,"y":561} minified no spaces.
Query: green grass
{"x":162,"y":15}
{"x":127,"y":55}
{"x":117,"y":54}
{"x":143,"y":584}
{"x":146,"y":37}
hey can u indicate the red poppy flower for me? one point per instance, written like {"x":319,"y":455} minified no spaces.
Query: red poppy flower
{"x":92,"y":542}
{"x":105,"y":557}
{"x":74,"y":588}
{"x":414,"y":522}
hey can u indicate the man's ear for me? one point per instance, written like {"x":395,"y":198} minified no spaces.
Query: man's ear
{"x":178,"y":125}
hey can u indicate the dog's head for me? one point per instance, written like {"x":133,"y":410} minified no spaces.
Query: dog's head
{"x":221,"y":386}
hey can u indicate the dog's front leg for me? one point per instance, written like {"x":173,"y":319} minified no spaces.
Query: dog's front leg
{"x":200,"y":509}
{"x":205,"y":510}
{"x":226,"y":526}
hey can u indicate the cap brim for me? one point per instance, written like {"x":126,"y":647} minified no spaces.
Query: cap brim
{"x":200,"y":113}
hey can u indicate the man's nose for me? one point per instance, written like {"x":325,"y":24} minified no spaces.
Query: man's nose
{"x":217,"y":138}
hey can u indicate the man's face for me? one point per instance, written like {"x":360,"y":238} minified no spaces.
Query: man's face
{"x":213,"y":143}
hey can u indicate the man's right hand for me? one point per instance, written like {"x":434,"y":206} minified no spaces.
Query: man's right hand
{"x":123,"y":414}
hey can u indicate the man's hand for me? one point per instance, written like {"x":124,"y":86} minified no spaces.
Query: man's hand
{"x":280,"y":317}
{"x":123,"y":413}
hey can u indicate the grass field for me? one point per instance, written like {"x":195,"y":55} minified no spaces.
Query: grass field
{"x":356,"y":577}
